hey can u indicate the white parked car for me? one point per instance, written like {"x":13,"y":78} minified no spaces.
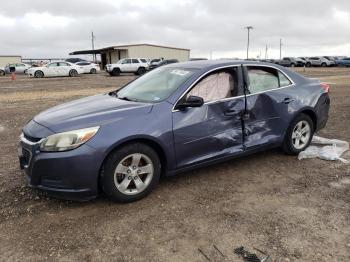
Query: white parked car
{"x":138,"y":66}
{"x":89,"y":68}
{"x":319,"y":61}
{"x":2,"y":71}
{"x":60,"y":68}
{"x":20,"y":68}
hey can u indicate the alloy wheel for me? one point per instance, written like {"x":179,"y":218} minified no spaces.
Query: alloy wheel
{"x":301,"y":134}
{"x":133,"y":174}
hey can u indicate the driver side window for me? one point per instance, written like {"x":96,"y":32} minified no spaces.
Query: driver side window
{"x":214,"y":87}
{"x":53,"y":65}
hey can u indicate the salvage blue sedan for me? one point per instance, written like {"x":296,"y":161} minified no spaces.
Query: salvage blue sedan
{"x":172,"y":119}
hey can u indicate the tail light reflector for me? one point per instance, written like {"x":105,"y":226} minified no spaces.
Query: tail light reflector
{"x":325,"y":87}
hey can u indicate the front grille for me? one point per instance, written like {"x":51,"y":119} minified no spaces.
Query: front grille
{"x":31,"y":139}
{"x":26,"y":156}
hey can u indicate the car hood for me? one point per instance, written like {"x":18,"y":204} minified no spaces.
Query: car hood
{"x":90,"y":111}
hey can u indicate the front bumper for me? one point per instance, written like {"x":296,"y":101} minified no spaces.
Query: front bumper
{"x":69,"y":175}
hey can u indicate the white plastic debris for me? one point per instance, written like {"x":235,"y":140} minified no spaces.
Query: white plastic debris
{"x":324,"y":148}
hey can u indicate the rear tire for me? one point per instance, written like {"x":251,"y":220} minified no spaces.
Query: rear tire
{"x":2,"y":72}
{"x":299,"y":135}
{"x":292,"y":65}
{"x":115,"y":72}
{"x":39,"y":74}
{"x":141,"y":71}
{"x":308,"y":64}
{"x":131,"y":172}
{"x":323,"y":64}
{"x":73,"y":73}
{"x":93,"y":71}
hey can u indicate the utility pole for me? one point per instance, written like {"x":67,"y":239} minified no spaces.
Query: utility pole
{"x":281,"y":48}
{"x":93,"y":46}
{"x":266,"y":49}
{"x":248,"y":28}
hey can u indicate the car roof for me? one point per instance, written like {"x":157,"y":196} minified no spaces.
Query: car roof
{"x":207,"y":65}
{"x":210,"y":64}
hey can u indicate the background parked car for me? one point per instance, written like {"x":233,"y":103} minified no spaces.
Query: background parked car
{"x":128,"y":65}
{"x":343,"y":62}
{"x":305,"y":59}
{"x":164,"y":62}
{"x":2,"y":71}
{"x":20,"y":68}
{"x":291,"y":62}
{"x":156,"y":61}
{"x":197,"y":59}
{"x":318,"y":61}
{"x":60,"y":68}
{"x":300,"y":62}
{"x":88,"y":67}
{"x":75,"y":60}
{"x":332,"y":58}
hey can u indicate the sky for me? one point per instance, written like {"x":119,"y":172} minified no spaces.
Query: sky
{"x":52,"y":28}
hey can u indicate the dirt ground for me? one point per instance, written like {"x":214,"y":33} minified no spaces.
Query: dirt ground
{"x":294,"y":210}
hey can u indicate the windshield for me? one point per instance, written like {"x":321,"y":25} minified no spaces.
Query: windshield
{"x":156,"y":85}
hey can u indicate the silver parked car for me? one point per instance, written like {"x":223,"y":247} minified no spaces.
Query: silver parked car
{"x":2,"y":71}
{"x":319,"y":61}
{"x":20,"y":68}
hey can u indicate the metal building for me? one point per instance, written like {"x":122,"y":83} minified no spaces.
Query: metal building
{"x":113,"y":54}
{"x":9,"y":59}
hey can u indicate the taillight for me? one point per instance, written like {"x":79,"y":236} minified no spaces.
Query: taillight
{"x":326,"y":87}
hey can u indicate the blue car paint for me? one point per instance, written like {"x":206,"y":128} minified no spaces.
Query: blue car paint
{"x":343,"y":62}
{"x":184,"y":139}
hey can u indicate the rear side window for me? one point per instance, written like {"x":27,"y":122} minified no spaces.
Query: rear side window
{"x":135,"y":61}
{"x":143,"y":60}
{"x":265,"y":78}
{"x":284,"y":81}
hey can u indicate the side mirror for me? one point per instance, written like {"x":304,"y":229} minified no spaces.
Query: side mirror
{"x":191,"y":101}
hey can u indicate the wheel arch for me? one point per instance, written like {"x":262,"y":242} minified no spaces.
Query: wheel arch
{"x":39,"y":70}
{"x":311,"y":113}
{"x":145,"y":140}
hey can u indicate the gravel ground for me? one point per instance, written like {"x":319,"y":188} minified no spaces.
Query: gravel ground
{"x":294,"y":210}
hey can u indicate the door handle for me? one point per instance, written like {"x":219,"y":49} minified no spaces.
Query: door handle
{"x":230,"y":112}
{"x":287,"y":100}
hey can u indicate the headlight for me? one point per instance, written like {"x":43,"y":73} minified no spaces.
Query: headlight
{"x":67,"y":140}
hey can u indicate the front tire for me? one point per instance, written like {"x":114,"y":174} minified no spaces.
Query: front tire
{"x":299,"y":135}
{"x":323,"y":64}
{"x":115,"y":72}
{"x":308,"y":64}
{"x":2,"y":72}
{"x":131,"y":172}
{"x":39,"y":74}
{"x":93,"y":71}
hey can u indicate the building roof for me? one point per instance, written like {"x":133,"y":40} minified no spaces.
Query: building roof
{"x":10,"y":56}
{"x":121,"y":47}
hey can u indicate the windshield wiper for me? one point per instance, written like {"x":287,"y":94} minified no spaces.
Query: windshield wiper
{"x":124,"y":98}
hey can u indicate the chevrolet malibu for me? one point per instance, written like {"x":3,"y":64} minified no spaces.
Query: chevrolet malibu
{"x":170,"y":120}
